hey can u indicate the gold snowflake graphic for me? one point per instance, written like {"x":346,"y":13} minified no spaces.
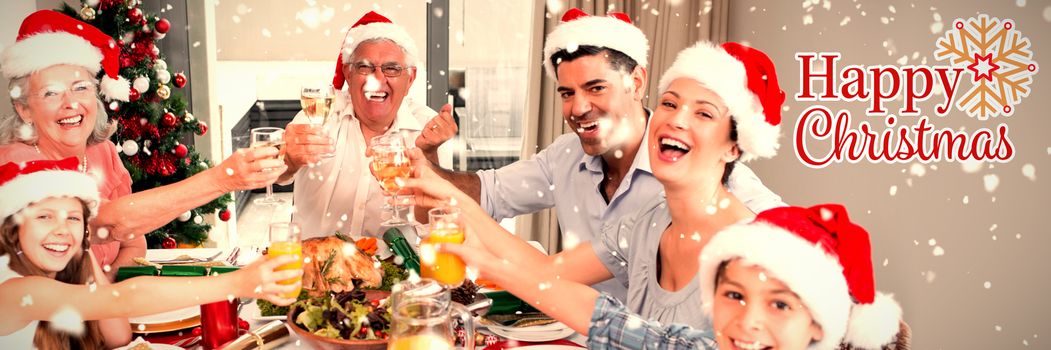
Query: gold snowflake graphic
{"x":998,"y":59}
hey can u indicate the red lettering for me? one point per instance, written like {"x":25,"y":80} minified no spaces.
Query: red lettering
{"x":806,"y":75}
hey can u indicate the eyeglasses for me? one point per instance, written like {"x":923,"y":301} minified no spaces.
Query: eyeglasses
{"x":52,"y":94}
{"x":389,"y":70}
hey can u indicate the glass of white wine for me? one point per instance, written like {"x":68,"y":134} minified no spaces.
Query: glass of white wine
{"x":268,"y":137}
{"x":316,"y":101}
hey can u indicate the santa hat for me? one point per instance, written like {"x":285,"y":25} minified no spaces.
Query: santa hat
{"x":47,"y":38}
{"x":824,"y":259}
{"x":747,"y":82}
{"x":22,"y":184}
{"x":373,"y":26}
{"x":613,"y":31}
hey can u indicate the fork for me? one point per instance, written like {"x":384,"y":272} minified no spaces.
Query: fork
{"x":188,"y":260}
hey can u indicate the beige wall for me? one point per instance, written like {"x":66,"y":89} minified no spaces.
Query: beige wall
{"x":298,"y":31}
{"x":945,"y":298}
{"x":493,"y":35}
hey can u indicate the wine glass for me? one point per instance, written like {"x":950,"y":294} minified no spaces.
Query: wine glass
{"x":390,"y":166}
{"x":316,"y":101}
{"x":268,"y":137}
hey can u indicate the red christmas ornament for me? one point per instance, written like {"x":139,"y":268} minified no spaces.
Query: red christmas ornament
{"x":169,"y":243}
{"x":135,"y":16}
{"x":224,"y":215}
{"x":181,"y":151}
{"x":169,"y":119}
{"x":163,"y":26}
{"x":133,"y":95}
{"x":202,"y":128}
{"x":179,"y":80}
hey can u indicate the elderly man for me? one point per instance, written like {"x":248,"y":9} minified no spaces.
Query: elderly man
{"x":378,"y":63}
{"x":599,"y":175}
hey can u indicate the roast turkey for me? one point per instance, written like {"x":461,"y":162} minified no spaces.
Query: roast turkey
{"x":334,"y":264}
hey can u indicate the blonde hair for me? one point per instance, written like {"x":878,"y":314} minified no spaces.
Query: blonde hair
{"x":77,"y":271}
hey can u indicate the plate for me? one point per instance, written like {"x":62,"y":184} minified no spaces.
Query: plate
{"x":153,"y":346}
{"x":253,"y":312}
{"x":550,"y":347}
{"x":140,"y":328}
{"x":547,"y":332}
{"x":169,"y":254}
{"x":168,"y":317}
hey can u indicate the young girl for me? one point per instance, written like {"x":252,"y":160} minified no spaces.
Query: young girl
{"x":717,"y":104}
{"x":53,"y":295}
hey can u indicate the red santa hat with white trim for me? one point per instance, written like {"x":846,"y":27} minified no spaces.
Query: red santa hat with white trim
{"x":47,"y":38}
{"x":746,"y":80}
{"x":373,"y":26}
{"x":613,"y":31}
{"x":824,"y":259}
{"x":22,"y":184}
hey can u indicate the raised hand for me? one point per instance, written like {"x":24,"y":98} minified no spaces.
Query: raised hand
{"x":428,"y":188}
{"x":305,"y":144}
{"x":441,"y":128}
{"x":250,"y":168}
{"x":260,"y":279}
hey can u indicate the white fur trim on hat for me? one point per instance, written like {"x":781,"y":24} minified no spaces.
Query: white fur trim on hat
{"x":27,"y":189}
{"x":717,"y":70}
{"x":600,"y":31}
{"x":116,"y":89}
{"x":48,"y":49}
{"x":815,"y":276}
{"x":380,"y":30}
{"x":874,"y":325}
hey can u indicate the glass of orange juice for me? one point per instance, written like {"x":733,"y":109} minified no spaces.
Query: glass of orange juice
{"x":446,"y":228}
{"x":285,"y":240}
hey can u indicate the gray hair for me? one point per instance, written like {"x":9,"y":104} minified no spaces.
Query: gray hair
{"x":410,"y":60}
{"x":11,"y":125}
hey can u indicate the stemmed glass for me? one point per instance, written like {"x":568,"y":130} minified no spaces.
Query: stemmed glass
{"x":316,"y":101}
{"x":390,"y":165}
{"x":268,"y":137}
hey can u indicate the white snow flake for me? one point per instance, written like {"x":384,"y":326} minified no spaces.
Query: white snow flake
{"x":1029,"y":171}
{"x":938,"y":251}
{"x":991,"y":181}
{"x":988,"y":285}
{"x":68,"y":320}
{"x":893,"y":190}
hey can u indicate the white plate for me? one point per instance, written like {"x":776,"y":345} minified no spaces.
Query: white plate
{"x":532,"y":334}
{"x":169,"y":254}
{"x":255,"y":314}
{"x":167,"y":317}
{"x":549,"y":347}
{"x":152,"y":345}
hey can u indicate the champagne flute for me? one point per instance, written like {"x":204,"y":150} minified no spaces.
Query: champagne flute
{"x":316,"y":101}
{"x":285,"y":240}
{"x":446,"y":228}
{"x":390,"y":166}
{"x":268,"y":137}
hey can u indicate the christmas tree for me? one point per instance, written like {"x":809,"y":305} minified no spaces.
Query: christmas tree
{"x":151,"y":123}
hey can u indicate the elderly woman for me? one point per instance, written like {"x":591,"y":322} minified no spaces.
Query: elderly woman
{"x":59,"y":114}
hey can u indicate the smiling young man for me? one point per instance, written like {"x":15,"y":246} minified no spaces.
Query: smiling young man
{"x":377,"y":62}
{"x":597,"y":174}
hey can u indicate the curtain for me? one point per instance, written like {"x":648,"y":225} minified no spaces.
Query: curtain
{"x":670,"y":26}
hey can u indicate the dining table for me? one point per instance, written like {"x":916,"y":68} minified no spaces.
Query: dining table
{"x":248,"y":310}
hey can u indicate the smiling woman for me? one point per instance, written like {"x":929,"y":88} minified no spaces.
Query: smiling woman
{"x":59,"y":114}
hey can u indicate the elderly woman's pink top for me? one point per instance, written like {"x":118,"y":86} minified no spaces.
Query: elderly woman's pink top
{"x":103,"y":164}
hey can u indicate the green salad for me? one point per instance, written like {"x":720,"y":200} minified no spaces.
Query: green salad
{"x":347,"y":315}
